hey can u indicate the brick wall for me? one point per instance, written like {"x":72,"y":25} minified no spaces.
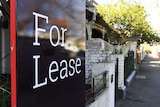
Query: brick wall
{"x":96,"y":52}
{"x":120,"y":68}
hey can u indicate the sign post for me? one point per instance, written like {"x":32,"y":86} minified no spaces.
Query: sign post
{"x":48,"y":53}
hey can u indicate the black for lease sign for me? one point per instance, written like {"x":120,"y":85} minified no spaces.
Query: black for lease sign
{"x":50,"y":34}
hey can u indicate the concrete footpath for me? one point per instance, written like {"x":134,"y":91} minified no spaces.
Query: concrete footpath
{"x":144,"y":91}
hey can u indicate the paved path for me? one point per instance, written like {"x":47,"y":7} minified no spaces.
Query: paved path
{"x":144,"y":91}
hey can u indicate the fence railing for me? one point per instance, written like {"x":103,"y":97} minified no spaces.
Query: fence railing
{"x":5,"y":88}
{"x":129,"y":64}
{"x":95,"y":86}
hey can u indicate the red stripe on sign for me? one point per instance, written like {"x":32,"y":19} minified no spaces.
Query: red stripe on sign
{"x":13,"y":51}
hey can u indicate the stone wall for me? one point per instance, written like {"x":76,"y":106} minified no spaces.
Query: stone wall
{"x":120,"y":68}
{"x":96,"y":52}
{"x":98,"y":60}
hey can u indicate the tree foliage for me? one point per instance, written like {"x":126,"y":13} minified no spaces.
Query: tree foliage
{"x":129,"y":18}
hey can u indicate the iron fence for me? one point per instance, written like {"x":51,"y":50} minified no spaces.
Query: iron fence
{"x":129,"y":64}
{"x":95,"y":86}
